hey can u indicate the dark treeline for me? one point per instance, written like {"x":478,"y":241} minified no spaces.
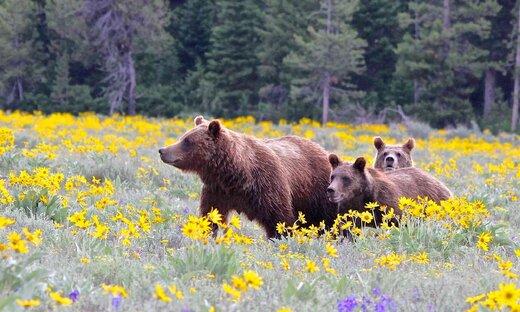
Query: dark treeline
{"x":445,"y":62}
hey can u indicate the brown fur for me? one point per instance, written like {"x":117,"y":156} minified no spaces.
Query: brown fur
{"x":353,"y":185}
{"x":267,"y":180}
{"x":391,"y":157}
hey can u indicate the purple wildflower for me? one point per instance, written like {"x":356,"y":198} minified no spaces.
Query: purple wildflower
{"x":416,"y":296}
{"x":74,"y":295}
{"x":348,"y":304}
{"x":365,"y":304}
{"x":385,"y":304}
{"x":116,"y":302}
{"x":376,"y":292}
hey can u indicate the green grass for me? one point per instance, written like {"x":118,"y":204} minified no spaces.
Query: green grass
{"x":457,"y":269}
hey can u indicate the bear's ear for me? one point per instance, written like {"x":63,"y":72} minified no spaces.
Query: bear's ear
{"x":408,"y":146}
{"x":360,"y":163}
{"x":214,"y":128}
{"x":334,"y":160}
{"x":198,"y":120}
{"x":378,"y":143}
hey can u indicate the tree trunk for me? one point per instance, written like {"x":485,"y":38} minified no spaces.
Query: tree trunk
{"x":446,"y":24}
{"x":131,"y":84}
{"x":10,"y":96}
{"x":415,"y":92}
{"x":326,"y":98}
{"x":416,"y":35}
{"x":326,"y":79}
{"x":446,"y":21}
{"x":19,"y":87}
{"x":514,"y":117}
{"x":489,"y":91}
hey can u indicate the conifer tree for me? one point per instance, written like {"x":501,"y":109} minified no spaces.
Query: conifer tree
{"x":325,"y":60}
{"x":230,"y":83}
{"x":283,"y":21}
{"x":18,"y":63}
{"x":377,"y":23}
{"x":441,"y":55}
{"x":191,"y":27}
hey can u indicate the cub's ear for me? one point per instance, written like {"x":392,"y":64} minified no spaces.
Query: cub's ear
{"x":334,"y":160}
{"x":198,"y":120}
{"x":409,"y":145}
{"x":360,"y":163}
{"x":378,"y":143}
{"x":214,"y":128}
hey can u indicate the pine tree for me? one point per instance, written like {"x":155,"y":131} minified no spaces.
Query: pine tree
{"x":65,"y":96}
{"x":327,"y":57}
{"x":441,"y":55}
{"x":231,"y":81}
{"x":118,"y":30}
{"x":191,"y":27}
{"x":516,"y":74}
{"x":377,"y":23}
{"x":18,"y":64}
{"x":496,"y":63}
{"x":283,"y":20}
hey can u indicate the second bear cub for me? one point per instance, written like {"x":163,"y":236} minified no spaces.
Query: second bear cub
{"x":353,"y":186}
{"x":391,"y":157}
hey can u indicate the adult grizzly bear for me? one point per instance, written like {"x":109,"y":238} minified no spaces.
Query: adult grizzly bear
{"x":353,"y":186}
{"x":268,"y":180}
{"x":391,"y":157}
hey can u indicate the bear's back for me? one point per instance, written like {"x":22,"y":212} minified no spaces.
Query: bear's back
{"x":307,"y":169}
{"x":413,"y":182}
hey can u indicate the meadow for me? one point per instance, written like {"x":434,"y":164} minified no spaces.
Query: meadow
{"x":92,"y":220}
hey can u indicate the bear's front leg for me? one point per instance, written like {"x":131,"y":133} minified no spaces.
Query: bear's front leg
{"x":210,"y":201}
{"x":273,"y":211}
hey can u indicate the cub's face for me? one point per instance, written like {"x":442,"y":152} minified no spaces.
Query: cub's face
{"x":347,"y":181}
{"x":391,"y":157}
{"x":194,"y":148}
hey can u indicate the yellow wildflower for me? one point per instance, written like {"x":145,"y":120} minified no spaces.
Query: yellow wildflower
{"x":331,"y":250}
{"x":115,"y":290}
{"x":59,"y":299}
{"x":311,"y":266}
{"x":34,"y":237}
{"x":252,"y":279}
{"x":178,"y":293}
{"x":5,"y":222}
{"x":160,"y":294}
{"x":16,"y":243}
{"x":234,"y":293}
{"x":421,"y":257}
{"x":238,"y":283}
{"x":28,"y":303}
{"x":483,"y":240}
{"x":235,"y":221}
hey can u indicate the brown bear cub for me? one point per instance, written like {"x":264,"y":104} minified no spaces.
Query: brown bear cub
{"x":352,"y":186}
{"x":391,"y":157}
{"x":270,"y":181}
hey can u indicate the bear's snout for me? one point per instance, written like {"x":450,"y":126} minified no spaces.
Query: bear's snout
{"x":332,"y":195}
{"x":390,"y":159}
{"x":168,"y":156}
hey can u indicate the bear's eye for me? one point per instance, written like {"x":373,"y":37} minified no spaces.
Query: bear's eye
{"x":399,"y":155}
{"x":385,"y":154}
{"x":332,"y":177}
{"x":186,"y":142}
{"x":346,"y":180}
